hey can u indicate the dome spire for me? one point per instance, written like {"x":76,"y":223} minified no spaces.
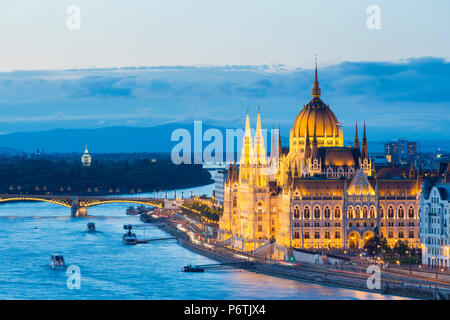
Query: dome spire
{"x":316,"y":89}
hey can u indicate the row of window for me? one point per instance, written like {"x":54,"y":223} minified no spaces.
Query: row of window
{"x":337,"y":234}
{"x":353,"y":213}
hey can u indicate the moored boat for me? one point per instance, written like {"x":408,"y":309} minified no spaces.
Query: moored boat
{"x":190,"y":268}
{"x":129,"y":237}
{"x":146,"y":218}
{"x":131,"y":211}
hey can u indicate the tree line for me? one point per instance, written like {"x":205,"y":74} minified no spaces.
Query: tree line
{"x":37,"y":176}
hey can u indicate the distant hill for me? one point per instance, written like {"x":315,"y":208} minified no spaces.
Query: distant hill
{"x":133,"y":139}
{"x":104,"y":140}
{"x":9,"y":151}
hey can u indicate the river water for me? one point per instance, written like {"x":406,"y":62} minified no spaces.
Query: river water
{"x":112,"y":270}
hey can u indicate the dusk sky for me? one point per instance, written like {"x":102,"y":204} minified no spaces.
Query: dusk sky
{"x":230,"y":55}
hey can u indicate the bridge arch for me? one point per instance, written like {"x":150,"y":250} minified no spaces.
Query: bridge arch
{"x":79,"y":205}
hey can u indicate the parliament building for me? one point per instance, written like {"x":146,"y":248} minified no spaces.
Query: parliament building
{"x":316,"y":194}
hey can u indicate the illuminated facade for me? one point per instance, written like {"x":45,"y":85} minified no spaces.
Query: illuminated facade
{"x":435,"y":224}
{"x":317,"y":194}
{"x":86,"y":158}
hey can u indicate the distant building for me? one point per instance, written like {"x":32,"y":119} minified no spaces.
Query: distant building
{"x":220,"y":186}
{"x":396,"y":151}
{"x":86,"y":158}
{"x":435,"y":223}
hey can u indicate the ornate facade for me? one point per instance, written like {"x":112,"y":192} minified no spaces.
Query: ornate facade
{"x":317,"y":193}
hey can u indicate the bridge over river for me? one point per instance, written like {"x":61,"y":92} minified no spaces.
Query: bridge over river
{"x":78,"y":204}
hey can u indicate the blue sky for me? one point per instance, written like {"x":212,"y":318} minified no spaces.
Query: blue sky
{"x":221,"y":57}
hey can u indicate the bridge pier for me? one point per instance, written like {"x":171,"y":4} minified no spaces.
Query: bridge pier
{"x":76,"y":210}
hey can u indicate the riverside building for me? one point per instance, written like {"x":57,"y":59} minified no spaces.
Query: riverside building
{"x":316,"y":193}
{"x":435,"y":223}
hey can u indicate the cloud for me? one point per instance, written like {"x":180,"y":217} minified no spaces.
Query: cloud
{"x":406,"y":97}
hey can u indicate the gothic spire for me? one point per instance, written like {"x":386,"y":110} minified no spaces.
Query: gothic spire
{"x":364,"y":150}
{"x":412,"y":173}
{"x":356,"y":137}
{"x":307,"y":144}
{"x":316,"y":89}
{"x":247,"y":146}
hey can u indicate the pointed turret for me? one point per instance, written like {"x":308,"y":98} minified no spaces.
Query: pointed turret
{"x":364,"y":150}
{"x":258,"y":150}
{"x":307,"y":145}
{"x":316,"y":88}
{"x":356,"y":146}
{"x":412,"y":173}
{"x":247,"y":146}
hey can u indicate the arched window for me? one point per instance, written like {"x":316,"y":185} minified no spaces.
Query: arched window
{"x":411,"y":212}
{"x":306,"y":234}
{"x":327,"y":213}
{"x":350,"y":212}
{"x":260,"y":207}
{"x":357,"y":212}
{"x":372,"y":212}
{"x":401,"y":212}
{"x":365,"y":212}
{"x":296,"y":212}
{"x":411,"y":234}
{"x":316,"y":213}
{"x":306,"y":213}
{"x":317,"y":235}
{"x":337,"y":212}
{"x":381,"y":212}
{"x":390,"y":212}
{"x":235,"y":202}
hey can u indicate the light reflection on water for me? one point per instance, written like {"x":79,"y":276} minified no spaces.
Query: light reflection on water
{"x":111,"y":270}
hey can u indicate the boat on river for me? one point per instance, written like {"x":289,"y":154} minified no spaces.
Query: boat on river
{"x":190,"y":268}
{"x":129,"y":237}
{"x":56,"y":261}
{"x":145,"y":217}
{"x":90,"y":228}
{"x":131,"y":211}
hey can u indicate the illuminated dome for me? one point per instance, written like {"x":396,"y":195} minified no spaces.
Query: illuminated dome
{"x":317,"y":118}
{"x":86,"y":158}
{"x":318,"y":115}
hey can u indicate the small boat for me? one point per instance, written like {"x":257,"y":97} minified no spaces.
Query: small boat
{"x":131,"y":211}
{"x":56,"y":261}
{"x":142,"y":209}
{"x":145,"y":217}
{"x":90,"y":228}
{"x":190,"y":268}
{"x":129,"y":237}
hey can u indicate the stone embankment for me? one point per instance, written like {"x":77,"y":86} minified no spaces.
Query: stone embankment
{"x":356,"y":278}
